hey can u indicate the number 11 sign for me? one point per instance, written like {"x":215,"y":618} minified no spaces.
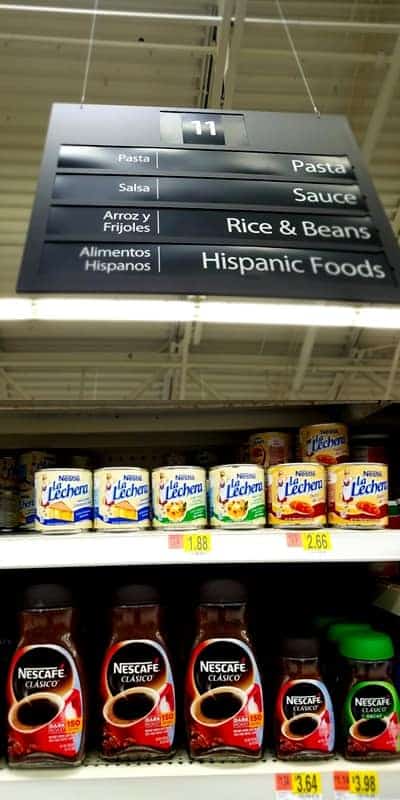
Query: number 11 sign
{"x":203,"y":129}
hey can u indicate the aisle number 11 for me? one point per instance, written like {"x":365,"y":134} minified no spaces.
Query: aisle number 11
{"x":209,"y":124}
{"x":203,"y":129}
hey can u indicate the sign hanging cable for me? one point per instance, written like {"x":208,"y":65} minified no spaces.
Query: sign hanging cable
{"x":89,"y":51}
{"x":297,"y":58}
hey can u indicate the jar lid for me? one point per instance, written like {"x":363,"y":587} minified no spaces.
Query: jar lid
{"x":300,"y":647}
{"x":222,"y":592}
{"x":46,"y":595}
{"x":136,"y":594}
{"x":367,"y":646}
{"x":340,"y":629}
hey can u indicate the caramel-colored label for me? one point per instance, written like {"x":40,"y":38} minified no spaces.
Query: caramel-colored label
{"x":326,"y":444}
{"x":296,"y":495}
{"x":358,"y":495}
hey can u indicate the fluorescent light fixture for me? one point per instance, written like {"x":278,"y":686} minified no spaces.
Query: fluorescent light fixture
{"x":325,"y":315}
{"x":379,"y":317}
{"x":202,"y":19}
{"x":15,"y":308}
{"x":224,"y":312}
{"x":97,"y":310}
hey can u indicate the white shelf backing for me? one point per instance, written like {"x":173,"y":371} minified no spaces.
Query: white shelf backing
{"x":34,"y":550}
{"x":179,"y":778}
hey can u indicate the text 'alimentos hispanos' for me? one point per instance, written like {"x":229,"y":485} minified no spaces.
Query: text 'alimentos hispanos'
{"x":130,"y":259}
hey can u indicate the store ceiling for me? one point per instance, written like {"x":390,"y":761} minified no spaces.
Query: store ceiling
{"x":177,"y":62}
{"x":146,"y":364}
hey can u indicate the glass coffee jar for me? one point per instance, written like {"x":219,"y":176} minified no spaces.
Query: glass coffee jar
{"x":370,"y":713}
{"x":304,"y":718}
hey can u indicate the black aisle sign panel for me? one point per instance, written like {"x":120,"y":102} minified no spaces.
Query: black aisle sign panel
{"x":141,"y":200}
{"x":118,"y":189}
{"x":241,"y":270}
{"x":140,"y":160}
{"x":165,"y":224}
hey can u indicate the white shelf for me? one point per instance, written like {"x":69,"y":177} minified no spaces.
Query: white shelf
{"x":90,"y":549}
{"x":179,"y":779}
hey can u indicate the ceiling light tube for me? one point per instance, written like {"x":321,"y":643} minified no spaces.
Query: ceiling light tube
{"x":223,"y":312}
{"x":302,"y":314}
{"x":113,"y":310}
{"x":165,"y":16}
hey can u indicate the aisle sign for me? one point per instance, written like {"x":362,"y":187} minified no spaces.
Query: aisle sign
{"x":296,"y":785}
{"x":252,"y":204}
{"x":356,"y":785}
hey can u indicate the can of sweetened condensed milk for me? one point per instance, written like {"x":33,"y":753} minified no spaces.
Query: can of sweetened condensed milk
{"x":297,"y":496}
{"x":358,"y":495}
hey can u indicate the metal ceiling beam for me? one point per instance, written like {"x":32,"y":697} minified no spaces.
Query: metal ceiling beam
{"x":337,"y":25}
{"x":143,"y":387}
{"x":392,"y":373}
{"x":383,"y":102}
{"x":220,"y":59}
{"x":184,"y":351}
{"x":234,"y":53}
{"x":367,"y":58}
{"x":197,"y":49}
{"x":10,"y":382}
{"x":204,"y":386}
{"x":25,"y":364}
{"x":304,"y":360}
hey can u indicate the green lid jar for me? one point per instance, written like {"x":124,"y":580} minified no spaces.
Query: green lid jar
{"x":343,"y":629}
{"x":366,"y":646}
{"x":370,"y":705}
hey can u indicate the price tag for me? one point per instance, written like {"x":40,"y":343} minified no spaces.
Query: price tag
{"x":175,"y":541}
{"x":356,"y":785}
{"x":316,"y":540}
{"x":364,"y":784}
{"x":197,"y":542}
{"x":291,"y":786}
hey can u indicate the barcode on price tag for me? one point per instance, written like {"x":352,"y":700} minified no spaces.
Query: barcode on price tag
{"x":356,"y":785}
{"x":295,"y":785}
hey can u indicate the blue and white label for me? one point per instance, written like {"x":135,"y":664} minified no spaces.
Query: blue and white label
{"x":63,"y":499}
{"x":121,"y":498}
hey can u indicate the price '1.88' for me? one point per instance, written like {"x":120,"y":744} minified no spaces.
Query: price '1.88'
{"x":197,"y":542}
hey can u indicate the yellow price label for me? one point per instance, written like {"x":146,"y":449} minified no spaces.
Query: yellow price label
{"x":197,"y":542}
{"x":365,"y":783}
{"x":306,"y":783}
{"x":316,"y":540}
